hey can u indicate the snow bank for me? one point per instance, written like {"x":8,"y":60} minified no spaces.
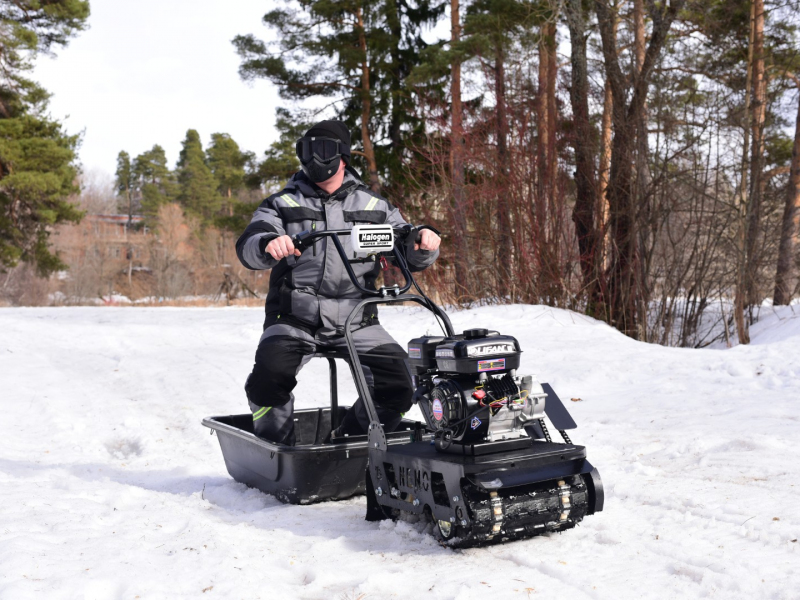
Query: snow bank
{"x":776,"y":324}
{"x":110,"y":488}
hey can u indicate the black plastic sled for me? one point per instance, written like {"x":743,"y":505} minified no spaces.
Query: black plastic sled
{"x":310,"y":471}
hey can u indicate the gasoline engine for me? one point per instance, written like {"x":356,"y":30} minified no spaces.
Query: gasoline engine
{"x":469,"y":390}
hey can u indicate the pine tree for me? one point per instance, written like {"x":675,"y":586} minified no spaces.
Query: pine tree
{"x":401,"y":125}
{"x":197,"y":186}
{"x":125,"y":183}
{"x":36,"y":177}
{"x":280,"y":160}
{"x":227,"y":163}
{"x":154,"y":181}
{"x":37,"y":169}
{"x":360,"y":55}
{"x":278,"y":165}
{"x":339,"y":58}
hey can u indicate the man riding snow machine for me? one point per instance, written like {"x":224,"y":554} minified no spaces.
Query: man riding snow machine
{"x":485,"y":468}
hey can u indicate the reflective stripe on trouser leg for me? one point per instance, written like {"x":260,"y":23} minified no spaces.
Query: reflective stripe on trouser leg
{"x":276,"y":423}
{"x":260,"y":412}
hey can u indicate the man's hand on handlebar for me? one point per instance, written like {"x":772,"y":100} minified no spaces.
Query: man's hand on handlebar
{"x":282,"y":247}
{"x":428,"y":240}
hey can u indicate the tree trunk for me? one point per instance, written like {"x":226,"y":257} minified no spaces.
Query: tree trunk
{"x":547,"y":164}
{"x":366,"y":108}
{"x":395,"y":84}
{"x":505,"y":255}
{"x":541,"y":141}
{"x":546,"y":123}
{"x":583,"y":214}
{"x":605,"y":164}
{"x":605,"y":168}
{"x":127,"y":233}
{"x":644,"y":205}
{"x":552,"y":110}
{"x":623,"y":284}
{"x":740,"y":293}
{"x":398,"y":72}
{"x":785,"y":276}
{"x":502,"y":118}
{"x":759,"y":112}
{"x":624,"y":287}
{"x":642,"y":146}
{"x":460,"y":246}
{"x":391,"y":274}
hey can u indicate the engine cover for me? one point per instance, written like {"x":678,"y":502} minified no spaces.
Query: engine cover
{"x":470,"y":411}
{"x":485,"y":354}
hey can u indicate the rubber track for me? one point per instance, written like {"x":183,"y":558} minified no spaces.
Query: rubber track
{"x":520,"y":513}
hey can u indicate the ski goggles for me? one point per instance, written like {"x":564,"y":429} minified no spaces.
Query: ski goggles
{"x":321,"y":148}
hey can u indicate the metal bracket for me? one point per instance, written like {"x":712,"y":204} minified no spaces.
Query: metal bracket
{"x":556,"y":411}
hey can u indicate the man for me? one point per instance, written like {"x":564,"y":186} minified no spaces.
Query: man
{"x":311,"y":295}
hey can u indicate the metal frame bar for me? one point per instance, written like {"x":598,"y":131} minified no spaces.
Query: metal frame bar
{"x":375,"y":427}
{"x":334,"y":393}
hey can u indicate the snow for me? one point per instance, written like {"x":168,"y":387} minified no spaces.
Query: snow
{"x":110,"y":487}
{"x":776,"y":325}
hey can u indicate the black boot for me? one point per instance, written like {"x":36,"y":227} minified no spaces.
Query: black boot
{"x":274,"y":423}
{"x":356,"y":420}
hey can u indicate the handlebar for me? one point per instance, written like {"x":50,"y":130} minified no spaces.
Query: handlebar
{"x":305,"y":239}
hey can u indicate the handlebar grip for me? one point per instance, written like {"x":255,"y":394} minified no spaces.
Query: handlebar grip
{"x":405,"y":232}
{"x":300,"y":240}
{"x":421,"y":227}
{"x":418,"y":234}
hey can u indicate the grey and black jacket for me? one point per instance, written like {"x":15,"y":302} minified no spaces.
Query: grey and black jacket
{"x":313,"y":291}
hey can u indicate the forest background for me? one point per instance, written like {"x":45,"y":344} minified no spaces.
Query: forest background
{"x":633,"y":160}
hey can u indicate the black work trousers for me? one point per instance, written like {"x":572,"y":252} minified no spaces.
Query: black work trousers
{"x":282,"y":352}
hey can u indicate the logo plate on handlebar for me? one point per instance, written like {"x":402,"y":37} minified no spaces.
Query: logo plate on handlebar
{"x":372,"y":238}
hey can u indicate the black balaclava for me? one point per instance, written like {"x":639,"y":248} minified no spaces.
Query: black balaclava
{"x":318,"y":170}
